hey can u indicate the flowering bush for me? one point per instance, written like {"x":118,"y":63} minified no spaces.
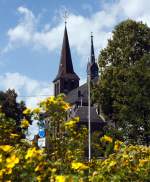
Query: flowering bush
{"x":8,"y":133}
{"x":65,"y":159}
{"x":129,"y":163}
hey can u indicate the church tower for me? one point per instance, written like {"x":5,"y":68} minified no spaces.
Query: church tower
{"x":93,"y":65}
{"x":66,"y":79}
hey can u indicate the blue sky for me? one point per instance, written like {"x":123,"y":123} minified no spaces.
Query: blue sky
{"x":31,"y":34}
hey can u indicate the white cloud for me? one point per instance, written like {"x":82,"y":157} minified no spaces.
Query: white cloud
{"x":50,"y":39}
{"x":35,"y":90}
{"x":79,"y":28}
{"x":137,"y":9}
{"x":23,"y":31}
{"x":100,"y":23}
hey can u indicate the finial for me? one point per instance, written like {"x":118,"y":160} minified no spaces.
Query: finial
{"x":91,"y":34}
{"x":66,"y":15}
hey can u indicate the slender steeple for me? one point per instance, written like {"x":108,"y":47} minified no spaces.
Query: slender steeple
{"x":92,"y":50}
{"x":65,"y":65}
{"x":93,"y":65}
{"x":66,"y":79}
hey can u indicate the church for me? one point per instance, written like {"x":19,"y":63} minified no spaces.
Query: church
{"x":67,"y":82}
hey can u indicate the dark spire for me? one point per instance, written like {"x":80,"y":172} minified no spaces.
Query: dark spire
{"x":66,"y":60}
{"x":92,"y":60}
{"x":92,"y":65}
{"x":65,"y":66}
{"x":66,"y":79}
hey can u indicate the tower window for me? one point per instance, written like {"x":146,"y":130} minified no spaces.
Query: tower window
{"x":57,"y":88}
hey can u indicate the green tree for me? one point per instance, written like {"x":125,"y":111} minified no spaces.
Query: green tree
{"x":10,"y":106}
{"x":13,"y":110}
{"x":123,"y":91}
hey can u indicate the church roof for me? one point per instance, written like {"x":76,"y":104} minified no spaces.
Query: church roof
{"x":82,"y":113}
{"x":79,"y":93}
{"x":66,"y":67}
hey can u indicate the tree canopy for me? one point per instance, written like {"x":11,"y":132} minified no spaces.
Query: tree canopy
{"x":123,"y":91}
{"x":10,"y":106}
{"x":12,"y":110}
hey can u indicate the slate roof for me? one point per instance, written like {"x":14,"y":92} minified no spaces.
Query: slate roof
{"x":75,"y":95}
{"x":82,"y":113}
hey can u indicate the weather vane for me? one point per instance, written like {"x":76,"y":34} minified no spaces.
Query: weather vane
{"x":66,"y":16}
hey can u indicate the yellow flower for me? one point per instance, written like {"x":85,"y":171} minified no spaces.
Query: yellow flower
{"x":125,"y":156}
{"x":13,"y":135}
{"x":24,"y":123}
{"x":39,"y":178}
{"x":27,"y":111}
{"x":36,"y":110}
{"x":112,"y":163}
{"x":1,"y":158}
{"x":126,"y":162}
{"x":39,"y":167}
{"x":95,"y":173}
{"x":106,"y":138}
{"x":32,"y":152}
{"x":53,"y":170}
{"x":117,"y":145}
{"x":142,"y":162}
{"x":78,"y":165}
{"x":72,"y":122}
{"x":60,"y":178}
{"x":51,"y":99}
{"x":8,"y":171}
{"x":12,"y":161}
{"x":6,"y":148}
{"x":66,"y":106}
{"x":1,"y":173}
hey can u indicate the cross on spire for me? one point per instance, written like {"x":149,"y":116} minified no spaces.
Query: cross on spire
{"x":66,"y":16}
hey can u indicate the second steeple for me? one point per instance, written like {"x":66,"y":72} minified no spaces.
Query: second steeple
{"x":93,"y":65}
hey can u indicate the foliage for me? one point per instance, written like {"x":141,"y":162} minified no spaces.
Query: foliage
{"x":22,"y":161}
{"x":129,"y":163}
{"x":62,"y":134}
{"x":123,"y":90}
{"x":13,"y":111}
{"x":8,"y":133}
{"x":10,"y":106}
{"x":130,"y":41}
